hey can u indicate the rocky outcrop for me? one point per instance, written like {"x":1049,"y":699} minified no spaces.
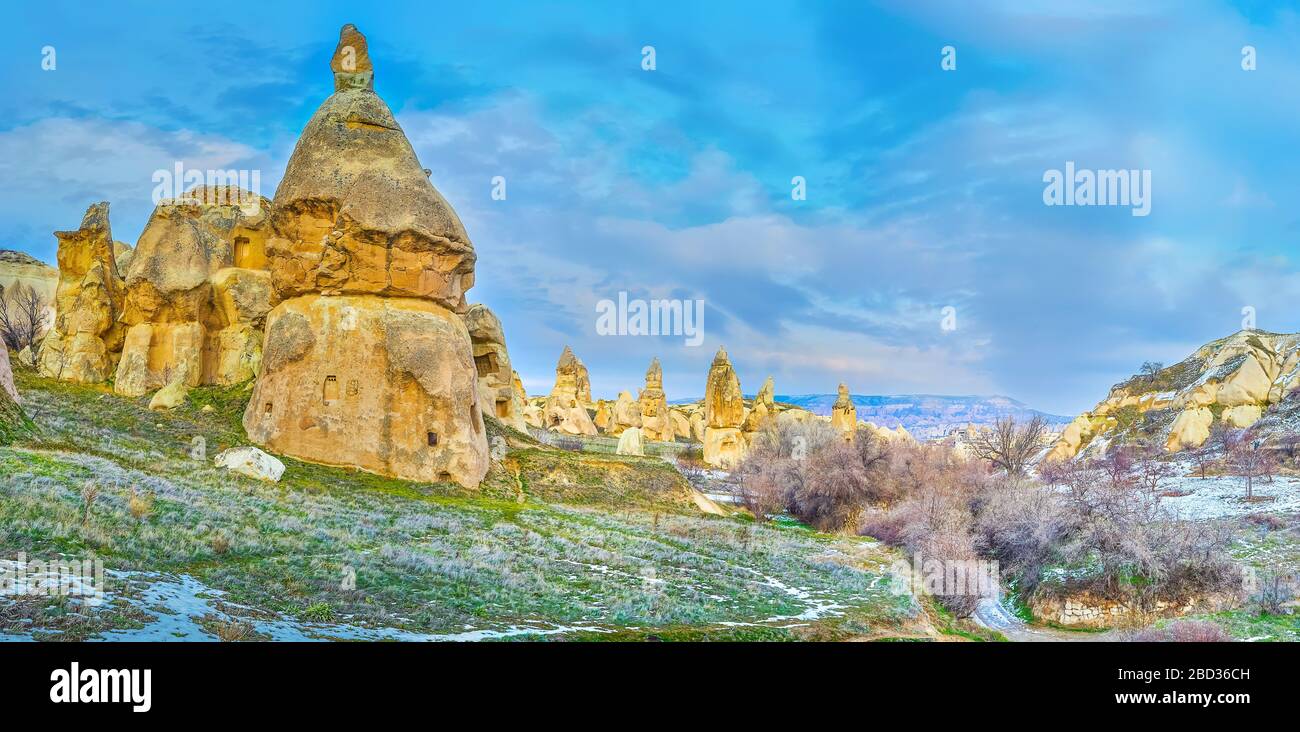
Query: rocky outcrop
{"x":7,"y":376}
{"x":1236,"y":381}
{"x":724,"y":414}
{"x":626,"y":413}
{"x":20,"y":273}
{"x":656,"y":421}
{"x":564,"y":410}
{"x":844,"y":416}
{"x":572,"y":366}
{"x":86,"y":340}
{"x":763,"y":409}
{"x":496,"y":380}
{"x":196,"y":304}
{"x":250,"y":462}
{"x":366,"y":361}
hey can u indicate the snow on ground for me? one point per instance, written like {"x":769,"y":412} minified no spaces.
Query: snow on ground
{"x":1220,"y":496}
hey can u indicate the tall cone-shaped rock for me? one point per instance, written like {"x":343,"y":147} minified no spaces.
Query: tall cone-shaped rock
{"x":366,"y":362}
{"x":565,"y":410}
{"x":656,"y":422}
{"x":764,"y":407}
{"x":84,"y":344}
{"x":724,"y":413}
{"x":355,"y":213}
{"x":844,"y":415}
{"x":197,"y":292}
{"x":496,"y":382}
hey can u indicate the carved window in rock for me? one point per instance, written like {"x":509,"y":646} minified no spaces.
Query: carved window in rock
{"x":242,"y":251}
{"x":503,"y":407}
{"x":486,"y":363}
{"x":330,"y":392}
{"x":432,"y":439}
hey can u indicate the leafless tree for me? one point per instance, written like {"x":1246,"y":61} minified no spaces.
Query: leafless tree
{"x":1150,"y":369}
{"x":1250,"y":460}
{"x":1010,"y":446}
{"x":1150,"y":470}
{"x":22,"y":315}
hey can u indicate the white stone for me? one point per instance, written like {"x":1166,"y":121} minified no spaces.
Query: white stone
{"x":630,"y":443}
{"x":251,"y":462}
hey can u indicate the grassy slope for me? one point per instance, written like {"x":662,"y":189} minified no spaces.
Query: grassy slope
{"x":625,"y":552}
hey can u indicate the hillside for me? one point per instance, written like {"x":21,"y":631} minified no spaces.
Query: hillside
{"x":553,"y":544}
{"x":1246,"y":380}
{"x":927,"y":416}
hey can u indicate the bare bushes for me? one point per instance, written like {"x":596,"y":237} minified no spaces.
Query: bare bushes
{"x":810,"y":471}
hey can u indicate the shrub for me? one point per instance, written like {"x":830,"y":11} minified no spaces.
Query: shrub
{"x":1182,"y":631}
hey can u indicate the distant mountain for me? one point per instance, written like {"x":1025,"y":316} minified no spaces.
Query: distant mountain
{"x":927,"y":416}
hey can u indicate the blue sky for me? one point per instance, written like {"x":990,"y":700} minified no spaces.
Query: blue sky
{"x":924,"y":185}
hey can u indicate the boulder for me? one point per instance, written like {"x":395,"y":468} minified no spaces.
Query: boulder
{"x":1242,"y":416}
{"x":629,"y":443}
{"x":84,"y":344}
{"x":724,"y":447}
{"x":387,"y":385}
{"x":604,"y":418}
{"x":250,"y":462}
{"x":170,"y":396}
{"x":496,"y":382}
{"x":681,"y":423}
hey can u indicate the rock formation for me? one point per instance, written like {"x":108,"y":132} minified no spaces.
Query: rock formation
{"x":656,"y":422}
{"x":1240,"y":381}
{"x":496,"y":380}
{"x":197,"y":294}
{"x":681,"y":423}
{"x":604,"y":418}
{"x":724,"y":413}
{"x":844,"y":416}
{"x":626,"y":413}
{"x":366,"y":362}
{"x":86,"y":340}
{"x":572,"y":365}
{"x":7,"y":376}
{"x":19,"y":273}
{"x":764,"y":408}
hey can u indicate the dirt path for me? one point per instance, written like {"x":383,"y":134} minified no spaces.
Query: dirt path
{"x":993,"y":615}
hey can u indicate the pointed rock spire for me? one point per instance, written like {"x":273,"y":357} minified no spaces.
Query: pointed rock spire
{"x":351,"y":61}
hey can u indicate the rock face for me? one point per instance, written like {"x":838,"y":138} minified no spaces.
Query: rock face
{"x":197,"y":293}
{"x":496,"y":380}
{"x":724,"y":413}
{"x":656,"y":421}
{"x":1244,"y":380}
{"x":844,"y":416}
{"x":84,"y":344}
{"x":630,"y":443}
{"x":366,"y":362}
{"x":7,"y":376}
{"x":18,"y":272}
{"x":387,"y":385}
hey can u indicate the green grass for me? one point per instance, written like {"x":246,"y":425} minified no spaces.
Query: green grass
{"x":551,"y":539}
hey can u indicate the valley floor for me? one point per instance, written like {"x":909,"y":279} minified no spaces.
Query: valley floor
{"x":196,"y":553}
